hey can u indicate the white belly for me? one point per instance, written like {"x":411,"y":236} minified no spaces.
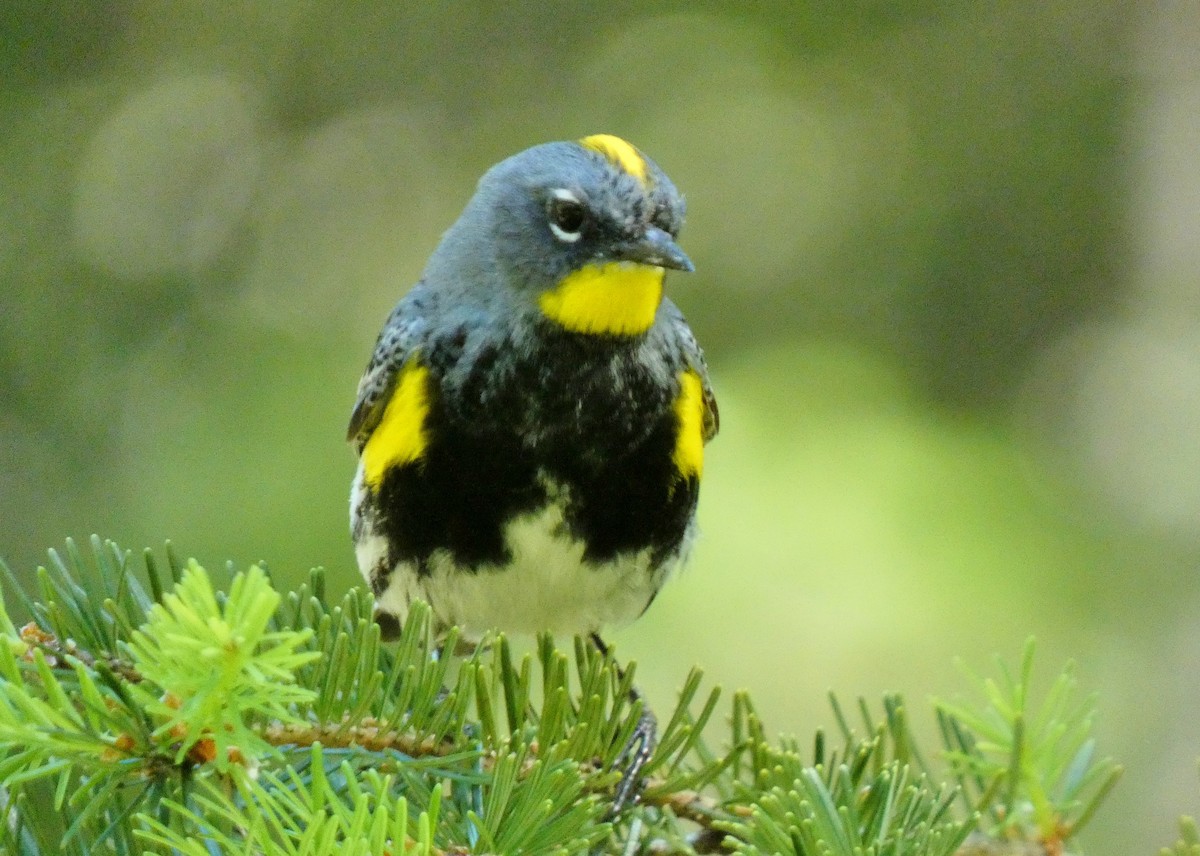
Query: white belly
{"x":547,"y":586}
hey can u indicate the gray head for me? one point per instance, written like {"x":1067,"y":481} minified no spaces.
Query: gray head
{"x":579,"y":232}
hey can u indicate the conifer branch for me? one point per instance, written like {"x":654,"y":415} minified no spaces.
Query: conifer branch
{"x":159,"y":713}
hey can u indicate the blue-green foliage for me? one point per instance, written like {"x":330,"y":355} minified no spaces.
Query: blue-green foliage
{"x":1029,"y":768}
{"x":157,"y":712}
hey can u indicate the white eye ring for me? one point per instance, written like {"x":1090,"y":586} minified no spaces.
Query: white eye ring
{"x":568,"y":204}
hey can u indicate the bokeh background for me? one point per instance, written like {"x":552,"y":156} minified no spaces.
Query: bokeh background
{"x":947,"y":265}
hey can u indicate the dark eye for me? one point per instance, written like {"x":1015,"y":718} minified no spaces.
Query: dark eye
{"x":567,"y":215}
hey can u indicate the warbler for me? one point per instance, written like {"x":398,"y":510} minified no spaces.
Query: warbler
{"x":532,"y":421}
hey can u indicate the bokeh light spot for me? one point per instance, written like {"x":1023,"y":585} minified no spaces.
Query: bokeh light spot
{"x":167,"y":178}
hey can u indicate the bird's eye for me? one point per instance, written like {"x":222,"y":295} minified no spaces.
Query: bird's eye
{"x":566,"y":214}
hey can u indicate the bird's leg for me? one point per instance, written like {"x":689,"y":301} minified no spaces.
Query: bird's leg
{"x":638,"y":749}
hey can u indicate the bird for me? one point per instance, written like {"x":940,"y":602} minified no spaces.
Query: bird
{"x":531,"y":425}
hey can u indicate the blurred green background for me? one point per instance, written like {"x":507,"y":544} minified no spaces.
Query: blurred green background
{"x":947,"y":259}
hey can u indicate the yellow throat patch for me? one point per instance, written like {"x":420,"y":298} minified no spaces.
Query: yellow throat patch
{"x":616,"y":298}
{"x":618,"y":152}
{"x":400,"y":436}
{"x":619,"y":298}
{"x":689,"y":410}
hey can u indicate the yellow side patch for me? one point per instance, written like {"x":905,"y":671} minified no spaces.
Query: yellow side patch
{"x":619,"y":152}
{"x":618,"y":298}
{"x":689,"y":410}
{"x":400,"y":436}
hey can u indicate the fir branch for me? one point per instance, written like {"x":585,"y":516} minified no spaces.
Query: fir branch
{"x":367,"y":734}
{"x":217,"y":666}
{"x":1034,"y":768}
{"x":158,"y":715}
{"x":1188,"y":843}
{"x":290,"y":815}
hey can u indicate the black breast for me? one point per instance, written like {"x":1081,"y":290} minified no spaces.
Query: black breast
{"x":577,"y":420}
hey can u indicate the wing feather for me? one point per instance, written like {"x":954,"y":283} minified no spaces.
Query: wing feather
{"x":397,"y":342}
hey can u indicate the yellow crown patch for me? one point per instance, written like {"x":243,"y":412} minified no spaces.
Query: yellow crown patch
{"x":619,"y":152}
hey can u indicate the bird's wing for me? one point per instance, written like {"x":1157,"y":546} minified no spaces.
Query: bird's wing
{"x":397,"y":342}
{"x":694,"y":359}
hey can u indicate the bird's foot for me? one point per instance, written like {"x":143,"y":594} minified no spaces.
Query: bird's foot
{"x":632,"y":760}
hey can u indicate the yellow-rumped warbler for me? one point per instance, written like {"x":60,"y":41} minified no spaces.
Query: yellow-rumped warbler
{"x":531,"y":425}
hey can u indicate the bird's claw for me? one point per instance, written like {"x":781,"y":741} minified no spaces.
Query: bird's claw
{"x":633,"y":758}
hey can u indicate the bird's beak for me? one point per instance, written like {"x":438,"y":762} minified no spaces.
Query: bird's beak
{"x":657,"y":248}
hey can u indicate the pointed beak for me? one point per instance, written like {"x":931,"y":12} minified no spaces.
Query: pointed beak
{"x":657,"y":248}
